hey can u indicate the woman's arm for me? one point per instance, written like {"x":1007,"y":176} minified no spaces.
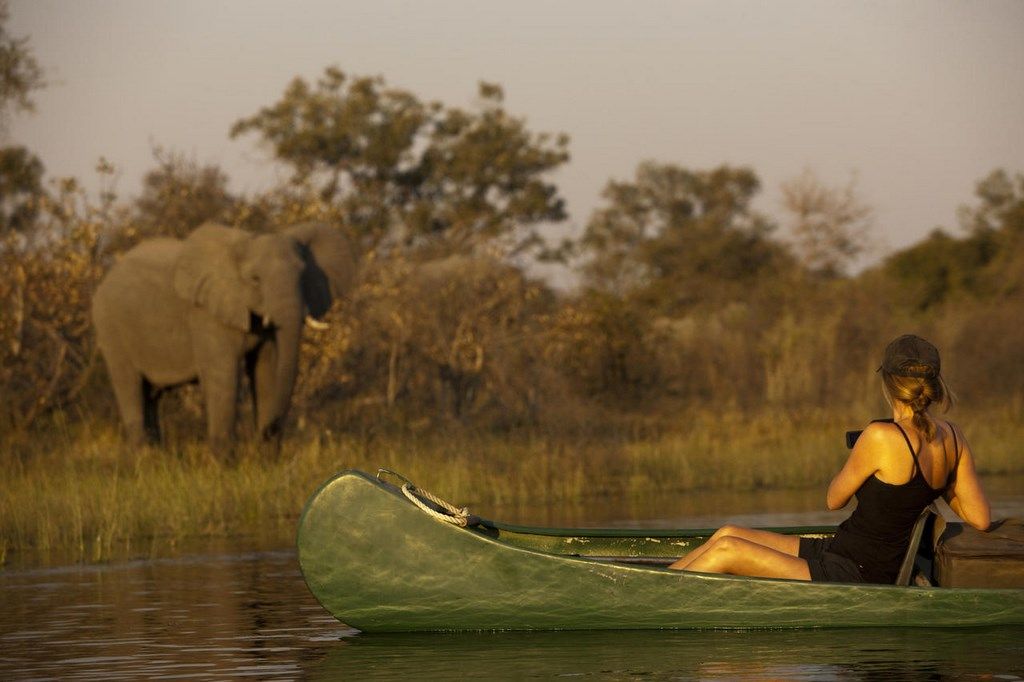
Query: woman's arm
{"x":863,"y":462}
{"x":966,"y":496}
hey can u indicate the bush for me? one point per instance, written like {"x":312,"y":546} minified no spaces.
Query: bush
{"x":47,"y":352}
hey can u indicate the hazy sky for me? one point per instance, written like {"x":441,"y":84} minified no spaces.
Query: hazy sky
{"x":920,"y":99}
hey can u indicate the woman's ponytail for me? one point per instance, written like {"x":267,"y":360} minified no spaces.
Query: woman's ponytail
{"x":919,"y":393}
{"x":921,"y":421}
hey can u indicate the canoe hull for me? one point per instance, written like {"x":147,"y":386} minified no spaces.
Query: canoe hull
{"x":379,"y":564}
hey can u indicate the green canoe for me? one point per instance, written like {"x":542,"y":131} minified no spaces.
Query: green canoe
{"x":379,"y":563}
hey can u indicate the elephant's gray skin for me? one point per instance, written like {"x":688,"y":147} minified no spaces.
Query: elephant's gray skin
{"x":176,"y":311}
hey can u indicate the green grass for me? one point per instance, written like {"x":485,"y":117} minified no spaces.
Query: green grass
{"x":80,"y":494}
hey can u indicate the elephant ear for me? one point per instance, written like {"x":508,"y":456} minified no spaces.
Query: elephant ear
{"x":330,"y":264}
{"x":207,"y":273}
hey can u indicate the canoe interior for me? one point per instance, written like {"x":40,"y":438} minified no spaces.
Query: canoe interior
{"x":621,"y":545}
{"x":627,"y":546}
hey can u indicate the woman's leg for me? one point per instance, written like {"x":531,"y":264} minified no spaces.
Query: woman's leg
{"x":786,"y":544}
{"x":736,"y":556}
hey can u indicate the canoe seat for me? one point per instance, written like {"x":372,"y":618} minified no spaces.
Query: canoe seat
{"x":910,"y":559}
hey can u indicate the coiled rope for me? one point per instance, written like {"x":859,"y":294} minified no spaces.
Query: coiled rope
{"x":455,"y":515}
{"x":458,"y":516}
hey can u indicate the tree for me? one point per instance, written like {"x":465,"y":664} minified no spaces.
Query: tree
{"x":940,"y":268}
{"x":453,"y":337}
{"x":830,"y":224}
{"x":20,"y":74}
{"x":999,"y":220}
{"x":180,"y":194}
{"x":21,"y":189}
{"x":1001,"y":208}
{"x":987,"y":262}
{"x":49,"y":243}
{"x":46,"y":346}
{"x":414,"y":173}
{"x":21,"y":171}
{"x":676,"y":237}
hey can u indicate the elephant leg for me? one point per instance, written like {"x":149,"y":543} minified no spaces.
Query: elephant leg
{"x":219,"y":384}
{"x":264,"y":375}
{"x":220,"y":389}
{"x":218,"y":353}
{"x":250,"y":372}
{"x":150,"y":414}
{"x":128,"y":390}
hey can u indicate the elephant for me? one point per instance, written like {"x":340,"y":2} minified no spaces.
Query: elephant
{"x":176,"y":311}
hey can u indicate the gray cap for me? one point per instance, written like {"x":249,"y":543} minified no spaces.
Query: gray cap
{"x":911,"y":356}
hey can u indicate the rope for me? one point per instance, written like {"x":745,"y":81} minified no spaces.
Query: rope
{"x":455,"y":515}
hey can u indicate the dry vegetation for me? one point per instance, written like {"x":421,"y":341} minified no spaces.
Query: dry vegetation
{"x":82,"y":495}
{"x":699,"y":351}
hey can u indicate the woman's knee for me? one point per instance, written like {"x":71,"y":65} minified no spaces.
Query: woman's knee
{"x":729,"y":544}
{"x":722,"y":552}
{"x":725,"y":546}
{"x":729,"y":530}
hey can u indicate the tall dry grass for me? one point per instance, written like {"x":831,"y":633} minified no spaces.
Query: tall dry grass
{"x":84,"y":496}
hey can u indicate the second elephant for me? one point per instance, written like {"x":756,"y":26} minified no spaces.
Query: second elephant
{"x":203,"y":308}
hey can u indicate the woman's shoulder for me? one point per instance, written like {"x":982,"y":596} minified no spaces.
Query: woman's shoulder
{"x":949,"y":427}
{"x":879,"y":432}
{"x":952,"y":435}
{"x":882,"y":439}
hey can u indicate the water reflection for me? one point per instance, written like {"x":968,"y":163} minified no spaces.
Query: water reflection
{"x":199,"y":617}
{"x":865,"y":654}
{"x":249,"y":614}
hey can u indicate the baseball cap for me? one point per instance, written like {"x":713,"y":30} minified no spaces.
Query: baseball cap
{"x":911,"y":356}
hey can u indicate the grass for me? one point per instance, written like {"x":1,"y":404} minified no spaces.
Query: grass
{"x":79,"y":494}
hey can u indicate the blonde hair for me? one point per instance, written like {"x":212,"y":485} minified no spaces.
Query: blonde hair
{"x":919,"y":393}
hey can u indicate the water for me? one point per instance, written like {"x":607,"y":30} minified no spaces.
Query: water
{"x":684,"y":655}
{"x":221,"y":615}
{"x":203,"y":616}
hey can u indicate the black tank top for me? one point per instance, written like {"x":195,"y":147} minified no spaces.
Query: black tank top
{"x":877,"y":534}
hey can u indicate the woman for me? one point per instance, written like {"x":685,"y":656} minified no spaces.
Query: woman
{"x":895,"y":469}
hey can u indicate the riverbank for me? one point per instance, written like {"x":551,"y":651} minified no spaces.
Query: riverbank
{"x":79,"y":494}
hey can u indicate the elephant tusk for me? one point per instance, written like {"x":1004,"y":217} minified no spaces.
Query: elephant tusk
{"x":316,"y":324}
{"x":266,"y":320}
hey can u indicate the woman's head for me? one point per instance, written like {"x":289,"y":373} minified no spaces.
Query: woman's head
{"x":911,"y":374}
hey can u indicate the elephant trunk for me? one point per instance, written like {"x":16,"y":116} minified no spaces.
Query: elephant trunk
{"x":288,"y":334}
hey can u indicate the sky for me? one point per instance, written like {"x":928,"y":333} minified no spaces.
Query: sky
{"x":916,"y":101}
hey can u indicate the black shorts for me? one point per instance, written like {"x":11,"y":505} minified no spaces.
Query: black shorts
{"x":827,"y":566}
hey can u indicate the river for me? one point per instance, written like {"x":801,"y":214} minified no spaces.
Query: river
{"x":227,"y":613}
